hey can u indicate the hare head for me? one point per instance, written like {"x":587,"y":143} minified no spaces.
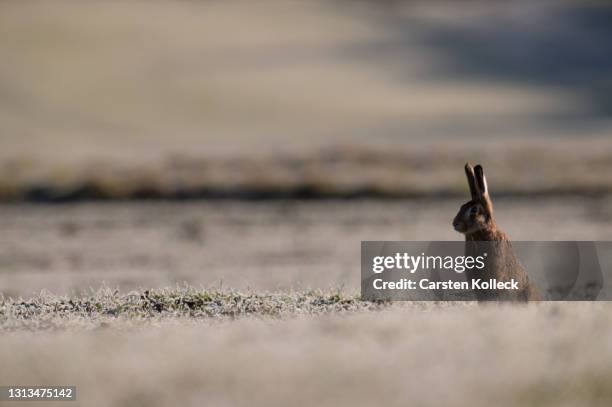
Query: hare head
{"x":477,"y":214}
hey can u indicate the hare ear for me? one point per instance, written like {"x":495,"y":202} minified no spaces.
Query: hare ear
{"x":481,"y":181}
{"x":483,"y":188}
{"x":469,"y":173}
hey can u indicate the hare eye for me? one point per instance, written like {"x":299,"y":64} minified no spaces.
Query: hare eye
{"x":473,"y":210}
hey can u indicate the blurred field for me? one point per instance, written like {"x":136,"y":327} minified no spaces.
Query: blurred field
{"x":271,"y":245}
{"x":415,"y":354}
{"x":524,"y":169}
{"x":180,"y":99}
{"x":277,"y":343}
{"x":320,"y":124}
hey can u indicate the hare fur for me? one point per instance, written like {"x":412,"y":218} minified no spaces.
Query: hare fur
{"x":475,"y":220}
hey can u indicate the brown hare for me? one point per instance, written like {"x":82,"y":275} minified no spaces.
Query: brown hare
{"x":475,"y":220}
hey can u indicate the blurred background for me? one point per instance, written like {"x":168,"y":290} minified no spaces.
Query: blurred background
{"x":254,"y":145}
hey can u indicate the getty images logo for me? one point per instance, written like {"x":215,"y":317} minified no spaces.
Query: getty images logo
{"x":412,"y":264}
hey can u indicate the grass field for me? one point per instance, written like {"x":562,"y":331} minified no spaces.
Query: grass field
{"x":259,"y":246}
{"x":243,"y":332}
{"x":184,"y":187}
{"x":179,"y":99}
{"x":407,"y":354}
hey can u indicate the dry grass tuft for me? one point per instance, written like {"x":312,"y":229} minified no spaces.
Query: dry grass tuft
{"x":102,"y":307}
